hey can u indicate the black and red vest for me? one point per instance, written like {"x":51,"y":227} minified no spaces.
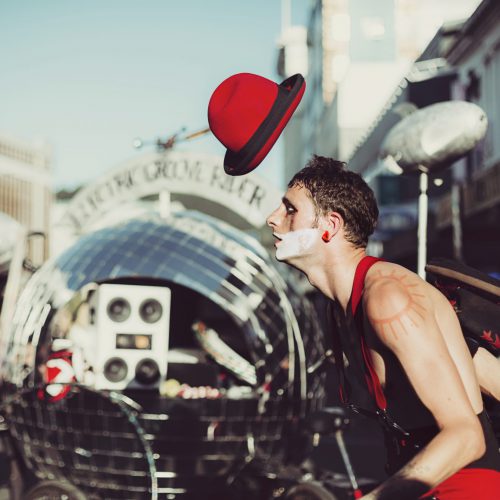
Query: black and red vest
{"x":407,"y":424}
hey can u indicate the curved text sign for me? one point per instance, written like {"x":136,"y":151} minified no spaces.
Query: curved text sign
{"x":199,"y":175}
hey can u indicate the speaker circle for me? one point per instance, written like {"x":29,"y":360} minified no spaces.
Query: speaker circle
{"x":151,"y":310}
{"x":115,"y":369}
{"x":118,"y":309}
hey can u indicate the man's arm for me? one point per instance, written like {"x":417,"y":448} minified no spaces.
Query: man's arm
{"x":402,"y":315}
{"x":488,"y":372}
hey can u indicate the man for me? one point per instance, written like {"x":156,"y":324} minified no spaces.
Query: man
{"x":403,"y":341}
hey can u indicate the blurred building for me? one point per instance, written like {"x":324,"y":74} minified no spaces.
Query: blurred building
{"x":292,"y":59}
{"x":427,"y":82}
{"x":25,"y":191}
{"x":358,"y":51}
{"x":462,"y":61}
{"x":371,"y":65}
{"x":476,"y":56}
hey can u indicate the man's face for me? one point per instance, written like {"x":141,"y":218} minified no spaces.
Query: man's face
{"x":294,"y":225}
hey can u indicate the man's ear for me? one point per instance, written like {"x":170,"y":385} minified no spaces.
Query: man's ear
{"x":335,"y":222}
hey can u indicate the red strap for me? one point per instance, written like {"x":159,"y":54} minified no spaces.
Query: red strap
{"x":359,"y":280}
{"x":373,"y":382}
{"x":357,"y":291}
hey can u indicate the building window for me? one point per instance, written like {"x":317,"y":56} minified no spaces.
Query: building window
{"x":373,"y":28}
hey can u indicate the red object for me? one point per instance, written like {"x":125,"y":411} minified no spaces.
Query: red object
{"x":483,"y":484}
{"x":359,"y":280}
{"x":247,"y":114}
{"x":488,"y":336}
{"x":59,"y":375}
{"x":326,"y":236}
{"x":373,"y":381}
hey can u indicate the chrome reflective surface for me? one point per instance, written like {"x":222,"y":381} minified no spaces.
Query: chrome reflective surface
{"x":266,"y":336}
{"x":10,"y":229}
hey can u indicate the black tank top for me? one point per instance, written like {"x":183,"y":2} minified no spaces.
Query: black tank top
{"x":407,"y":424}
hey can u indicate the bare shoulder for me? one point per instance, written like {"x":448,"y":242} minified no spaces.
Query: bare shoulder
{"x":396,"y":299}
{"x":386,"y":280}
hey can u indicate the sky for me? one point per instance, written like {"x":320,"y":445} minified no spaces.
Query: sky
{"x":89,"y":77}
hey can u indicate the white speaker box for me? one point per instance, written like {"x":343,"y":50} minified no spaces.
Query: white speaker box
{"x":132,"y":324}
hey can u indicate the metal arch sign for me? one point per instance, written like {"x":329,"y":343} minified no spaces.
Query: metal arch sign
{"x":199,"y":175}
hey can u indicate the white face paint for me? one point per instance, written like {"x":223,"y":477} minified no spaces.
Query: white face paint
{"x":296,"y":243}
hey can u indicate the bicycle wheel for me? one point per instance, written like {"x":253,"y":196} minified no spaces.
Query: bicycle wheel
{"x":90,"y":439}
{"x":309,"y":491}
{"x":54,"y":490}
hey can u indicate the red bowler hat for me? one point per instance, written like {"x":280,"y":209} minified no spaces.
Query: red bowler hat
{"x":247,"y":113}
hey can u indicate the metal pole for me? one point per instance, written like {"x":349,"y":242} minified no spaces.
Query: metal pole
{"x":347,"y":463}
{"x":286,"y":15}
{"x":456,"y":221}
{"x":164,"y":204}
{"x":422,"y":222}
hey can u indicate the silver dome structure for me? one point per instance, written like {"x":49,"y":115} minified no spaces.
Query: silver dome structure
{"x":10,"y":230}
{"x":234,"y":387}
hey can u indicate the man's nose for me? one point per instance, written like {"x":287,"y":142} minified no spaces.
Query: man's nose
{"x":271,"y":218}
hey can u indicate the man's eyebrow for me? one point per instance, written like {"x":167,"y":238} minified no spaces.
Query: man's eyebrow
{"x":286,"y":201}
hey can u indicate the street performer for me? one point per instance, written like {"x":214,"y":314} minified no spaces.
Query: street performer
{"x":406,"y":360}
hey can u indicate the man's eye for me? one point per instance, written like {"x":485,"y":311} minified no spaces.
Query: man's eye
{"x":290,"y":209}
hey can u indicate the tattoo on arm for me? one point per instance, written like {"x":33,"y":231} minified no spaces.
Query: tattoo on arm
{"x":411,"y":469}
{"x":410,"y":313}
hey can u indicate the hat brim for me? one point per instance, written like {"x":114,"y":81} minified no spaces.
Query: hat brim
{"x":290,"y":93}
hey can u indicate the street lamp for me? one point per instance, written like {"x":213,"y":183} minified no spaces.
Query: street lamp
{"x":171,"y":141}
{"x":432,"y":138}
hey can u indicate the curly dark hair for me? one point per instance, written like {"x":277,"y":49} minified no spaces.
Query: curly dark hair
{"x":333,"y":188}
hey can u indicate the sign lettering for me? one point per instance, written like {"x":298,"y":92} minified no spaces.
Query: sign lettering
{"x":199,"y":175}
